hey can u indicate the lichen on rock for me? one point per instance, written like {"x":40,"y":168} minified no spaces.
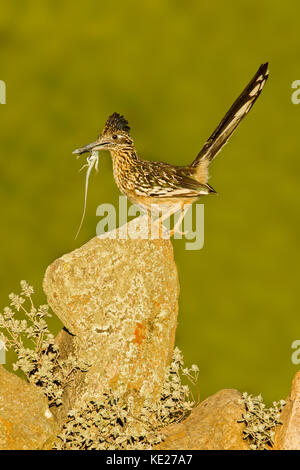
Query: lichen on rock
{"x":25,"y":419}
{"x":119,"y":298}
{"x":212,"y":425}
{"x":287,"y":436}
{"x":111,"y":378}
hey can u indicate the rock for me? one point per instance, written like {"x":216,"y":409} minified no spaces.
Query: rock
{"x":287,"y":436}
{"x":26,"y":422}
{"x":119,"y":300}
{"x":212,"y":425}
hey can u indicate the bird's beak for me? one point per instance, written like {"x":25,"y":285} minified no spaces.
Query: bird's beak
{"x":98,"y":145}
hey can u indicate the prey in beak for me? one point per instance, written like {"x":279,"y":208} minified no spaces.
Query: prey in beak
{"x":114,"y":136}
{"x":92,"y":161}
{"x":94,"y":146}
{"x":85,"y":149}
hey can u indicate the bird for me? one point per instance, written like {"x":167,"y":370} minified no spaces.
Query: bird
{"x":159,"y":184}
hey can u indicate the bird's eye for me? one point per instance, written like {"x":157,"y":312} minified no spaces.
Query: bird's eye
{"x":115,"y":137}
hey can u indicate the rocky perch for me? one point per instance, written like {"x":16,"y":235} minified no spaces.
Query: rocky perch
{"x":118,"y":301}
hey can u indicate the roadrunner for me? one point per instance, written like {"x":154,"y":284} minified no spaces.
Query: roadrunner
{"x":157,"y":184}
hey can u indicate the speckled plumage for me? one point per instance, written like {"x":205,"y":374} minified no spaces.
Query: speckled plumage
{"x":151,"y":182}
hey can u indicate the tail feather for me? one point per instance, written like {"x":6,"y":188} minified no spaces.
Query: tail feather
{"x":232,"y":118}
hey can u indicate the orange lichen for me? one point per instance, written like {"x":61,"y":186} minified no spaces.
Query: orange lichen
{"x":139,"y":333}
{"x":7,"y":429}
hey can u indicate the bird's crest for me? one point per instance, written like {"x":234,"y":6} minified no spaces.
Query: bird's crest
{"x":116,"y":123}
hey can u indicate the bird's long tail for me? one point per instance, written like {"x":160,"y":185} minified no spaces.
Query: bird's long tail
{"x":231,"y":120}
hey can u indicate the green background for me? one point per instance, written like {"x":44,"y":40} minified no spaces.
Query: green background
{"x":172,"y":68}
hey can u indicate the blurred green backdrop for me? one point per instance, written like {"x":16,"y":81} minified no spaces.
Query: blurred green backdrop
{"x":173,"y":68}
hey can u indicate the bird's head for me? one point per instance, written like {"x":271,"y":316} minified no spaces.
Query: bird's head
{"x":114,"y":136}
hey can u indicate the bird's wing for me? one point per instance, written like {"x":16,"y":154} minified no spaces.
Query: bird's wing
{"x":233,"y":117}
{"x":160,"y":180}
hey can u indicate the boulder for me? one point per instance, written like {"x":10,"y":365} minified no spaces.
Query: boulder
{"x":119,"y":301}
{"x":287,"y":436}
{"x":212,"y":425}
{"x":26,"y":422}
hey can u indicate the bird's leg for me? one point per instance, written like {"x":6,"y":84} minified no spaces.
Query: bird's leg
{"x":167,"y":214}
{"x":158,"y":226}
{"x":176,"y":228}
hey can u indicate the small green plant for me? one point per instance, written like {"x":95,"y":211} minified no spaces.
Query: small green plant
{"x":37,"y":354}
{"x":260,"y":421}
{"x":112,"y":423}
